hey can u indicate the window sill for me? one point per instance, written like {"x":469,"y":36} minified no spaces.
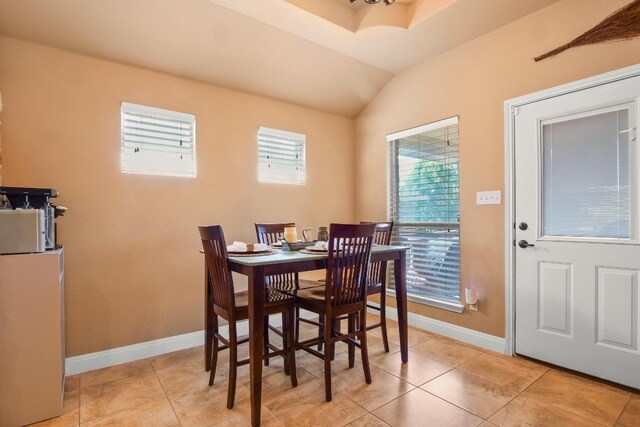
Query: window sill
{"x":444,"y":305}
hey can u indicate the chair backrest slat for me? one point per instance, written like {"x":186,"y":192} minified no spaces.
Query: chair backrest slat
{"x":272,"y":232}
{"x":378,"y":270}
{"x":348,"y":262}
{"x":217,"y":260}
{"x":269,"y":233}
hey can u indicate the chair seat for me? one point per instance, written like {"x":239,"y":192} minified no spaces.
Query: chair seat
{"x":374,"y":288}
{"x":302,"y":283}
{"x":273,"y":297}
{"x":275,"y":302}
{"x":306,"y":284}
{"x":313,"y":295}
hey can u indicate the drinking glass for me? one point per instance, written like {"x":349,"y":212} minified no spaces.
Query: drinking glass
{"x":307,"y":234}
{"x":323,"y":234}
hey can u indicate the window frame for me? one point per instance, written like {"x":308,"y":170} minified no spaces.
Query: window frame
{"x":128,"y":108}
{"x":298,"y":139}
{"x":392,"y":207}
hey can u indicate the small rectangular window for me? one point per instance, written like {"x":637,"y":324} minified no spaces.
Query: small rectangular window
{"x":157,"y":141}
{"x":281,"y":156}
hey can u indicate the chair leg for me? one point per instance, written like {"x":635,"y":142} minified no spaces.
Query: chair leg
{"x":383,"y":319}
{"x":297,"y":324}
{"x":290,"y":362}
{"x":335,"y":326}
{"x":214,"y":349}
{"x":321,"y":330}
{"x":233,"y":364}
{"x":327,"y":362}
{"x":363,"y":347}
{"x":266,"y":340}
{"x":287,"y":324}
{"x":352,"y":348}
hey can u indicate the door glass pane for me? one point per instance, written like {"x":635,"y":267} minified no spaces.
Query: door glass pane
{"x":586,"y":176}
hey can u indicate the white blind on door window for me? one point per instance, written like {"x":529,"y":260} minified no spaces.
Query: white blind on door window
{"x":424,"y":204}
{"x":281,"y":156}
{"x":586,"y":176}
{"x":157,"y":141}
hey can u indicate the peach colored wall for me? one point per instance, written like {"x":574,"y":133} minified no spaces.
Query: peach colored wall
{"x":473,"y":81}
{"x":133,"y":271}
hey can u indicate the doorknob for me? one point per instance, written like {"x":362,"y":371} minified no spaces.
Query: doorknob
{"x":524,"y":244}
{"x":523,"y":226}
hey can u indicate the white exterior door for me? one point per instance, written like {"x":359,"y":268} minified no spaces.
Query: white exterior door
{"x":576,"y":205}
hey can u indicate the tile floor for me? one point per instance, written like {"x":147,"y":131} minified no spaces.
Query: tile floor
{"x":445,"y":383}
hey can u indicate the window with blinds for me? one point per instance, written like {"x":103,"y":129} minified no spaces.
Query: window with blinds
{"x":281,"y":156}
{"x":587,"y":183}
{"x":425,"y":207}
{"x":157,"y":141}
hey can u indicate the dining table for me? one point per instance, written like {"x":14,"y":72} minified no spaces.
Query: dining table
{"x":256,"y":268}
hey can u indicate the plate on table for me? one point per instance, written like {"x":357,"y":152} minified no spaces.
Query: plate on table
{"x":276,"y":244}
{"x":315,"y":249}
{"x":265,"y":251}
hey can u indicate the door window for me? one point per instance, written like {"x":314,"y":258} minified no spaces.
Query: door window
{"x":587,"y":170}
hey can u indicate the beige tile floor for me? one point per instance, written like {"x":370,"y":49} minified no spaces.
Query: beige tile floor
{"x":445,"y":383}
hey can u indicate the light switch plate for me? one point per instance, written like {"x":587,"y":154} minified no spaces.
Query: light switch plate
{"x":488,"y":197}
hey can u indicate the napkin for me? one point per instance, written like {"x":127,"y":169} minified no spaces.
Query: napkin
{"x":244,"y":247}
{"x":322,"y":245}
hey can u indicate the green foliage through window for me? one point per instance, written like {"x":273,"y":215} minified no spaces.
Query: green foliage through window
{"x":430,"y":192}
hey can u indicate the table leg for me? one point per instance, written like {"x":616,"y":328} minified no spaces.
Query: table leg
{"x":256,"y":330}
{"x":208,"y":320}
{"x":400,"y":279}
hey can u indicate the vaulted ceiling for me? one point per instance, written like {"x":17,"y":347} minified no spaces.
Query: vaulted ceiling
{"x":325,"y":54}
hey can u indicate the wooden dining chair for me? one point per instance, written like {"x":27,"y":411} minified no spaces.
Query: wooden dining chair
{"x":270,"y":233}
{"x":288,"y":283}
{"x":345,"y":293}
{"x":233,"y":307}
{"x":377,"y":280}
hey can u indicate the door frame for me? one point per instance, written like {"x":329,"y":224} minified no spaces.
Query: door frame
{"x":510,"y":111}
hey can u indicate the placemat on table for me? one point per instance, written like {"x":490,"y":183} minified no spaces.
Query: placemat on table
{"x":307,"y":251}
{"x":248,"y":254}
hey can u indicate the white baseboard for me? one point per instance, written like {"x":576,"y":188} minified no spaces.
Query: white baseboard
{"x":129,"y":353}
{"x":115,"y":356}
{"x":480,"y":339}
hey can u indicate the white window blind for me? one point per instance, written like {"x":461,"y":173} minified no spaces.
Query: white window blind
{"x":281,"y":156}
{"x":424,"y":204}
{"x":587,"y":176}
{"x":157,"y":141}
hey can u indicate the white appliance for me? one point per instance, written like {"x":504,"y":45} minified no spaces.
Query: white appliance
{"x":22,"y":231}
